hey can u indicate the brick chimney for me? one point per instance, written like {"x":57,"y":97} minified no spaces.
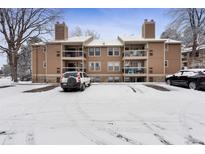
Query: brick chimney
{"x":148,"y":29}
{"x":61,"y":31}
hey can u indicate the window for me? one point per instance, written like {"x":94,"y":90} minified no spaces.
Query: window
{"x":58,"y":79}
{"x":110,"y":79}
{"x":116,"y":51}
{"x":94,"y":66}
{"x":150,"y":52}
{"x":58,"y":71}
{"x":94,"y":52}
{"x":57,"y":53}
{"x":113,"y":66}
{"x":44,"y":64}
{"x":44,"y":49}
{"x":151,"y":79}
{"x":113,"y":51}
{"x":97,"y":51}
{"x":110,"y":51}
{"x":166,"y":63}
{"x":91,"y":51}
{"x":197,"y":54}
{"x":117,"y":79}
{"x":97,"y":79}
{"x":150,"y":70}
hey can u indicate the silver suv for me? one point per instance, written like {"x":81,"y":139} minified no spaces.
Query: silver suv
{"x":75,"y":80}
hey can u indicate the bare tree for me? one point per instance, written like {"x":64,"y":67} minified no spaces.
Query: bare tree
{"x":79,"y":32}
{"x":24,"y":59}
{"x":18,"y":25}
{"x":171,"y":33}
{"x":92,"y":33}
{"x":191,"y":20}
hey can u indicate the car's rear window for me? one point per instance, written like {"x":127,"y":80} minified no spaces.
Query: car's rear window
{"x":74,"y":74}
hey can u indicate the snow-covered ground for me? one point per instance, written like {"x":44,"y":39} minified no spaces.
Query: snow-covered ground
{"x":102,"y":114}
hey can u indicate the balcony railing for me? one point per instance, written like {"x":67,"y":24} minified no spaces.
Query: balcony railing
{"x":134,"y":70}
{"x":71,"y":53}
{"x":66,"y":69}
{"x":135,"y":53}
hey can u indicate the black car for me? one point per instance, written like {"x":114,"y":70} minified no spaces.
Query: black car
{"x":192,"y":78}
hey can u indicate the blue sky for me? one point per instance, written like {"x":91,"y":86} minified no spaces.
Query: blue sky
{"x":110,"y":23}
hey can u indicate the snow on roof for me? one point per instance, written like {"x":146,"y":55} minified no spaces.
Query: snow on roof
{"x":189,"y":49}
{"x":170,"y":41}
{"x":201,"y":46}
{"x":139,"y":39}
{"x":105,"y":43}
{"x":75,"y":39}
{"x":185,"y":50}
{"x":39,"y":43}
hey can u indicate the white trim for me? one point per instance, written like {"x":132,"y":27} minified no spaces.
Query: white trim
{"x":113,"y":52}
{"x":113,"y":70}
{"x":94,"y":50}
{"x":94,"y":66}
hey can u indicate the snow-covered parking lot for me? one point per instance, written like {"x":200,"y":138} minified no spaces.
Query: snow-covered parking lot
{"x":126,"y":113}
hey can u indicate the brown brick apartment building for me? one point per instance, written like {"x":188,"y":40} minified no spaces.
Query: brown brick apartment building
{"x":128,"y":59}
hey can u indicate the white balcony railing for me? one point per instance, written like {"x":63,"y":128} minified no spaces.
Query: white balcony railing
{"x":73,"y":53}
{"x":134,"y":70}
{"x":135,"y":53}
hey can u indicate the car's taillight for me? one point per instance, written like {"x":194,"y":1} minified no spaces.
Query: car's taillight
{"x":78,"y":77}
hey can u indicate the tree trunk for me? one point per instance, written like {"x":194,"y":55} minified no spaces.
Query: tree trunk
{"x":13,"y":66}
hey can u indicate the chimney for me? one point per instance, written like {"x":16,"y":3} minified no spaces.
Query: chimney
{"x":148,"y":29}
{"x":61,"y":31}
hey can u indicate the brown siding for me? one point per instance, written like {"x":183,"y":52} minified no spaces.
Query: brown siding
{"x":38,"y":57}
{"x":53,"y":62}
{"x":61,"y":31}
{"x":173,"y":55}
{"x":156,"y":61}
{"x":148,"y":30}
{"x":104,"y":59}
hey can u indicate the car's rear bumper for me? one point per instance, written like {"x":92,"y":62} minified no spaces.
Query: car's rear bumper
{"x":68,"y":86}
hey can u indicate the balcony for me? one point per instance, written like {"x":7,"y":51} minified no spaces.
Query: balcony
{"x":134,"y":71}
{"x":66,"y":69}
{"x":73,"y":55}
{"x":135,"y":54}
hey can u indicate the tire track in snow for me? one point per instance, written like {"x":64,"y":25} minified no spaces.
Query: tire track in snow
{"x":194,"y":140}
{"x":30,"y":138}
{"x":182,"y":119}
{"x":121,"y":136}
{"x":84,"y":131}
{"x":135,"y":89}
{"x":159,"y":137}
